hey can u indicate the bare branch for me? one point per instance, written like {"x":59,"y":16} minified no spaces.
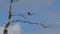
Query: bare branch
{"x":25,"y":21}
{"x":31,"y":23}
{"x":45,"y":26}
{"x":19,"y":15}
{"x":7,"y":24}
{"x":23,"y":15}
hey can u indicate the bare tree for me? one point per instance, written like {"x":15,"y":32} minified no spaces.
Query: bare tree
{"x":23,"y":21}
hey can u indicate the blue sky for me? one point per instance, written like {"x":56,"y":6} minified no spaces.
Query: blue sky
{"x":46,"y":11}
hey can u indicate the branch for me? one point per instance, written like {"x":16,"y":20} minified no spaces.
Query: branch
{"x":13,"y":1}
{"x":31,"y":23}
{"x":10,"y":15}
{"x":25,"y":21}
{"x":19,"y":15}
{"x":22,"y":15}
{"x":45,"y":26}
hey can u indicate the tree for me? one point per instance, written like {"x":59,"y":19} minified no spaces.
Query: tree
{"x":11,"y":15}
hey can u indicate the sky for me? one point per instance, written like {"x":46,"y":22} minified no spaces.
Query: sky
{"x":45,"y":11}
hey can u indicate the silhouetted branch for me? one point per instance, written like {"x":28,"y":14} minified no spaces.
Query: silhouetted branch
{"x":24,"y":21}
{"x":19,"y":15}
{"x":22,"y":14}
{"x":9,"y":21}
{"x":45,"y":26}
{"x":30,"y":23}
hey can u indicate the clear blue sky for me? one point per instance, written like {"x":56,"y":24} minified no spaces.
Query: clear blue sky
{"x":46,"y":11}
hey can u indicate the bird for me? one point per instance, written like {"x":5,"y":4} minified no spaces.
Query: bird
{"x":30,"y":13}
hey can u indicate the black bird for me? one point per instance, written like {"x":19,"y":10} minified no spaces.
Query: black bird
{"x":30,"y":13}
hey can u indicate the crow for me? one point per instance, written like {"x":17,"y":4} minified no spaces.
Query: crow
{"x":30,"y":13}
